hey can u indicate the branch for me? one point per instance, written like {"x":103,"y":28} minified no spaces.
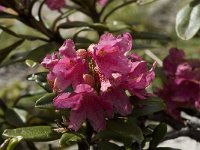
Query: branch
{"x":163,"y":117}
{"x":189,"y":132}
{"x":118,"y":7}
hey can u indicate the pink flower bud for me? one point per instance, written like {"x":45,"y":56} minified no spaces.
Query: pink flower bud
{"x":89,"y":79}
{"x":82,"y":53}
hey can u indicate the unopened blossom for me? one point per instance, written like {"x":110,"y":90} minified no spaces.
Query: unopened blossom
{"x":182,"y":87}
{"x":55,"y":4}
{"x":84,"y":104}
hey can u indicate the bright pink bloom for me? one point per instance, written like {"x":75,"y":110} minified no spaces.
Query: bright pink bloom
{"x":66,"y":71}
{"x":182,"y":88}
{"x":84,"y":104}
{"x":109,"y":53}
{"x":139,"y":78}
{"x":55,"y":4}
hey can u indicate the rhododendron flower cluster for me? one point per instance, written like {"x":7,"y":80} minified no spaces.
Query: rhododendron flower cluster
{"x":99,"y":77}
{"x":182,"y":86}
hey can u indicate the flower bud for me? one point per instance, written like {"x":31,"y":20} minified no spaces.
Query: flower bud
{"x":89,"y":79}
{"x":82,"y":53}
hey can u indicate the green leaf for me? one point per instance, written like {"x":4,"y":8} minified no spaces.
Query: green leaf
{"x":27,"y":37}
{"x":30,"y":63}
{"x":122,"y":131}
{"x":104,"y":145}
{"x":38,"y":54}
{"x":27,"y":102}
{"x":46,"y":101}
{"x":188,"y":21}
{"x":16,"y":117}
{"x":13,"y":142}
{"x":7,"y":15}
{"x":68,"y":139}
{"x":158,"y":134}
{"x":36,"y":133}
{"x":147,"y":107}
{"x":4,"y":52}
{"x":166,"y":148}
{"x":76,"y":24}
{"x":41,"y":79}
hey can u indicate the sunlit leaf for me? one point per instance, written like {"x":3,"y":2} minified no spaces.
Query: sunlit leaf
{"x":188,"y":21}
{"x":35,"y":133}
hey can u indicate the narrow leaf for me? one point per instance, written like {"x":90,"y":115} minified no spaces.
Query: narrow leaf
{"x":36,"y":133}
{"x":4,"y":52}
{"x":45,"y":101}
{"x":158,"y":134}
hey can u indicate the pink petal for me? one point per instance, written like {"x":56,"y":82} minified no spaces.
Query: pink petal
{"x":68,"y":49}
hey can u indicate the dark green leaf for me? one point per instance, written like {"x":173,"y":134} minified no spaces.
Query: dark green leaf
{"x":122,"y":131}
{"x":45,"y":101}
{"x":36,"y":133}
{"x":104,"y":145}
{"x":188,"y":21}
{"x":68,"y":139}
{"x":158,"y":134}
{"x":16,"y":117}
{"x":40,"y":52}
{"x":148,"y":107}
{"x":41,"y":79}
{"x":4,"y":52}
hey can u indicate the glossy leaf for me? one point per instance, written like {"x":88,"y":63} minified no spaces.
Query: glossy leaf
{"x":36,"y":133}
{"x":148,"y":107}
{"x":104,"y":145}
{"x":41,"y":79}
{"x":158,"y":134}
{"x":68,"y":139}
{"x":188,"y":21}
{"x":4,"y":52}
{"x":13,"y":142}
{"x":46,"y":101}
{"x":38,"y":54}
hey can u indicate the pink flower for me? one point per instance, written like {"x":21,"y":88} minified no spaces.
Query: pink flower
{"x":84,"y":104}
{"x":102,"y":2}
{"x":66,"y":71}
{"x":171,"y":62}
{"x":109,"y":53}
{"x":55,"y":4}
{"x":118,"y":99}
{"x":182,"y":87}
{"x":2,"y":8}
{"x":139,"y":78}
